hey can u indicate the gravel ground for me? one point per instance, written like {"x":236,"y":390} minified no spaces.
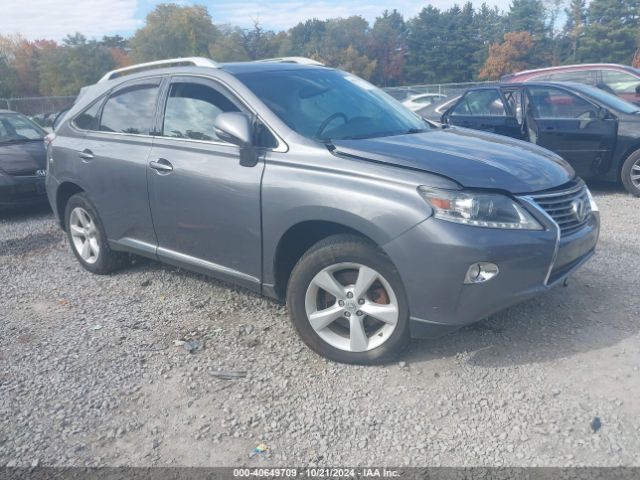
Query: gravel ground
{"x":93,"y":370}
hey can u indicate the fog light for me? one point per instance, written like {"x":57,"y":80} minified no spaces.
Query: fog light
{"x":481,"y":272}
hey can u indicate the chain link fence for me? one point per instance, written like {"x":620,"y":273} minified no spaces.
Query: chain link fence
{"x":446,"y":89}
{"x":41,"y":109}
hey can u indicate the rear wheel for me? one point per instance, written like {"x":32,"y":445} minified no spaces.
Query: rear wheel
{"x":347,"y":301}
{"x":87,"y":237}
{"x":631,"y":174}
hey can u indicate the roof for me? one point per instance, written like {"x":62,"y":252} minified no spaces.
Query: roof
{"x":251,"y":67}
{"x":579,"y":66}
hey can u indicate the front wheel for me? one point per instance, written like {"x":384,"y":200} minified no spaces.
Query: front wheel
{"x":631,"y":174}
{"x":347,"y":301}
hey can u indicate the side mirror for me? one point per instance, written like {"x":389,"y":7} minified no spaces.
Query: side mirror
{"x":236,"y":128}
{"x":638,"y":89}
{"x":233,"y":127}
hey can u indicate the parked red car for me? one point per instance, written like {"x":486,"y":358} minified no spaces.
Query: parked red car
{"x":621,"y":80}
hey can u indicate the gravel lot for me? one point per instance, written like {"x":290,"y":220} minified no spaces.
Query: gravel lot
{"x":91,"y":373}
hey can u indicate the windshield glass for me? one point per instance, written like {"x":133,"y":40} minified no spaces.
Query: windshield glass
{"x":326,"y":104}
{"x":608,"y":99}
{"x":18,"y":128}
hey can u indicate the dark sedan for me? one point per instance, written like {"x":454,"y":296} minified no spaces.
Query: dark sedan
{"x":596,"y":132}
{"x":22,"y":160}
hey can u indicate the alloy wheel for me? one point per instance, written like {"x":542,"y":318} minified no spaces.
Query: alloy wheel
{"x":84,"y":235}
{"x":635,"y":174}
{"x":352,"y":307}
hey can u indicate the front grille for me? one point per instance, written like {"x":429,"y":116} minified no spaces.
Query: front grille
{"x":569,"y":208}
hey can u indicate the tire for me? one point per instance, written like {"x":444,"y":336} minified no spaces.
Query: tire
{"x":630,"y":169}
{"x":367,"y":327}
{"x":80,"y":213}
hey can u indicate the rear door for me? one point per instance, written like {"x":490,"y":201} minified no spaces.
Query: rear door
{"x":576,"y":129}
{"x":205,"y":204}
{"x":484,"y":109}
{"x":112,"y":161}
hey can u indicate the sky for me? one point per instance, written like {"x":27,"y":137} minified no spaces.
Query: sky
{"x":54,"y":19}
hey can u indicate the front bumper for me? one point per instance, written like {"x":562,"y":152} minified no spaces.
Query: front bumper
{"x":434,"y":256}
{"x":21,"y":190}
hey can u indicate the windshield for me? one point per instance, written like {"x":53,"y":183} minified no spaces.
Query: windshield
{"x":16,"y":128}
{"x":608,"y":99}
{"x":326,"y":104}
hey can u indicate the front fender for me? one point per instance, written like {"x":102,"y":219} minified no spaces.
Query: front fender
{"x":378,"y":201}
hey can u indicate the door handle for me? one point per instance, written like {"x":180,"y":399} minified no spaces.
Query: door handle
{"x":86,"y":154}
{"x":161,"y":165}
{"x":550,"y":129}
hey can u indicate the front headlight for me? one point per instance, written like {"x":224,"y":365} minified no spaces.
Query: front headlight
{"x":479,"y":209}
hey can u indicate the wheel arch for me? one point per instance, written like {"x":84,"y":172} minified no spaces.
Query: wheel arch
{"x":297,"y":240}
{"x":64,"y":192}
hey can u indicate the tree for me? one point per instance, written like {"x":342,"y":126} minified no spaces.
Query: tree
{"x":443,"y":46}
{"x":575,"y":25}
{"x":389,"y":48}
{"x":532,"y":16}
{"x":353,"y":62}
{"x":228,"y":46}
{"x":174,"y":31}
{"x":510,"y":56}
{"x":488,"y":28}
{"x":611,"y":31}
{"x":76,"y":63}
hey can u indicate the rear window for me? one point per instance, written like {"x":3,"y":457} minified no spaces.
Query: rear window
{"x":130,"y":110}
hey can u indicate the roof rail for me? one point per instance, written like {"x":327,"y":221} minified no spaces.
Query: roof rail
{"x":298,"y":60}
{"x":172,"y":62}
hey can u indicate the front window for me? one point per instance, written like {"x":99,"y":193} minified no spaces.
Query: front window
{"x":620,"y":82}
{"x":326,"y":104}
{"x":16,"y":128}
{"x":484,"y":103}
{"x":578,"y":76}
{"x":130,"y":110}
{"x":192,"y":110}
{"x":551,"y":102}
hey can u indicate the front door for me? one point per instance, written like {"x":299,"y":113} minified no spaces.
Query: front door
{"x":205,"y":205}
{"x":574,"y":128}
{"x":484,"y":109}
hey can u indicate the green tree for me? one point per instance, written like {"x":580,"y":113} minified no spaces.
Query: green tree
{"x":611,"y":31}
{"x":575,"y":26}
{"x":76,"y":63}
{"x":174,"y":31}
{"x":531,"y":16}
{"x":488,"y":28}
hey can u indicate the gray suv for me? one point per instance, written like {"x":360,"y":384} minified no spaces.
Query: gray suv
{"x":311,"y":186}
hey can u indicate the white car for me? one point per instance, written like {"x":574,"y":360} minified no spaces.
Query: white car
{"x":416,"y":102}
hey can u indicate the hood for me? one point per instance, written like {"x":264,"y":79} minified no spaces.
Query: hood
{"x":473,"y":159}
{"x":23,"y":158}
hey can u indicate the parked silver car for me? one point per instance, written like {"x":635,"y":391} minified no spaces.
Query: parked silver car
{"x":310,"y":185}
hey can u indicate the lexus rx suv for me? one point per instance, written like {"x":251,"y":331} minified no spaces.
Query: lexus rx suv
{"x":311,"y":186}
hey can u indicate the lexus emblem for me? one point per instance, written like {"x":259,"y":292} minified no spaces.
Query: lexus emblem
{"x":41,"y":173}
{"x":579,"y":209}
